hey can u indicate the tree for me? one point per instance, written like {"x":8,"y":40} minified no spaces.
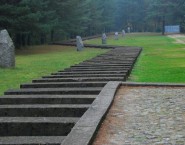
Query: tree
{"x":161,"y":11}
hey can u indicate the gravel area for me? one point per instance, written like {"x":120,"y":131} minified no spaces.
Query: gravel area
{"x":145,"y":116}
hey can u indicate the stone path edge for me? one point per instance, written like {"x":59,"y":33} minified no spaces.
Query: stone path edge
{"x":145,"y":84}
{"x":84,"y":132}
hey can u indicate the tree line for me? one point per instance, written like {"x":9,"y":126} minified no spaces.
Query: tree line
{"x":150,"y":15}
{"x":41,"y":21}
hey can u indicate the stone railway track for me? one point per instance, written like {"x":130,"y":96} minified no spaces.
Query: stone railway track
{"x":45,"y":111}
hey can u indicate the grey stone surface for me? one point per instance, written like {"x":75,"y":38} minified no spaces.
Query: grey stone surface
{"x":81,"y":79}
{"x":104,"y":38}
{"x":64,"y":85}
{"x":116,"y":36}
{"x":85,"y":129}
{"x":23,"y":126}
{"x":7,"y":52}
{"x":123,"y":33}
{"x":128,"y":29}
{"x":46,"y":99}
{"x":43,"y":110}
{"x":80,"y":45}
{"x":57,"y":91}
{"x":138,"y":84}
{"x":32,"y":140}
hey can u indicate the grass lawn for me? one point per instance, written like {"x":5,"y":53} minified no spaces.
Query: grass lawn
{"x":162,"y":60}
{"x":34,"y":62}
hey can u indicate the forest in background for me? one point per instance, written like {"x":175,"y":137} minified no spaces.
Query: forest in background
{"x":31,"y":22}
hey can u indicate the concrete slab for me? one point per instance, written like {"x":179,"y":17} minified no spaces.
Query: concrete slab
{"x":32,"y":140}
{"x":46,"y":91}
{"x":46,"y":99}
{"x":94,"y":79}
{"x":64,"y":85}
{"x":43,"y":110}
{"x":84,"y":130}
{"x":91,"y":72}
{"x":85,"y":75}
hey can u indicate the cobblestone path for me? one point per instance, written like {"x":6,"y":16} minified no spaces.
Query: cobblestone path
{"x":145,"y":116}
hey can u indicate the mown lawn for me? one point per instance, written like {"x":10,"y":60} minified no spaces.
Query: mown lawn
{"x":34,"y":62}
{"x":162,"y":60}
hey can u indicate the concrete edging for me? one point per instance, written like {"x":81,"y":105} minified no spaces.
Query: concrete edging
{"x":85,"y":129}
{"x":145,"y":84}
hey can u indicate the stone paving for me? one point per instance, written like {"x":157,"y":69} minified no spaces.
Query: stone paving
{"x":145,"y":116}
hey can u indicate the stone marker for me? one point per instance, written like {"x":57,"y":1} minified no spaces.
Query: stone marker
{"x":116,"y":36}
{"x":7,"y":50}
{"x":80,"y":44}
{"x":128,"y":29}
{"x":104,"y":38}
{"x":123,"y":33}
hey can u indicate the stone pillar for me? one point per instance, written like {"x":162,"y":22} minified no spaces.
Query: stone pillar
{"x":123,"y":33}
{"x":7,"y":50}
{"x":79,"y":43}
{"x":116,"y":36}
{"x":104,"y":38}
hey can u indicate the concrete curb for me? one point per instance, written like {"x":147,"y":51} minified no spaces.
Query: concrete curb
{"x":85,"y":129}
{"x":138,"y":84}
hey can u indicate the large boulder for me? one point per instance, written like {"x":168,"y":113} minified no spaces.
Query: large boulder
{"x":7,"y":50}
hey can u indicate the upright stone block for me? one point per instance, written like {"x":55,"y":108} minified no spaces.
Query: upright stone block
{"x":104,"y":38}
{"x":123,"y":33}
{"x":80,"y":45}
{"x":7,"y":50}
{"x":116,"y":36}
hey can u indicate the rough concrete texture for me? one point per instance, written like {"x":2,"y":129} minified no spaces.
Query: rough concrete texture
{"x":85,"y":129}
{"x":145,"y":116}
{"x":7,"y":52}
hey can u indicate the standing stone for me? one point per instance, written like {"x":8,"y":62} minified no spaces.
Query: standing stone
{"x":80,"y":44}
{"x":128,"y":29}
{"x":7,"y":50}
{"x":104,"y":38}
{"x":116,"y":35}
{"x":123,"y":33}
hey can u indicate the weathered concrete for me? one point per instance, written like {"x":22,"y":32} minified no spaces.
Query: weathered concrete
{"x":41,"y":126}
{"x":56,"y":91}
{"x":64,"y":85}
{"x":32,"y":140}
{"x":81,"y":79}
{"x":46,"y":99}
{"x":44,"y":110}
{"x":84,"y":130}
{"x":91,"y":72}
{"x":85,"y":75}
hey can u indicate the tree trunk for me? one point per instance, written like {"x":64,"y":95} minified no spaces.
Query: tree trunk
{"x":52,"y":35}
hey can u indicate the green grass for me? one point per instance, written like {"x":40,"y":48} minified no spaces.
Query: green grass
{"x":162,"y":60}
{"x":32,"y":63}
